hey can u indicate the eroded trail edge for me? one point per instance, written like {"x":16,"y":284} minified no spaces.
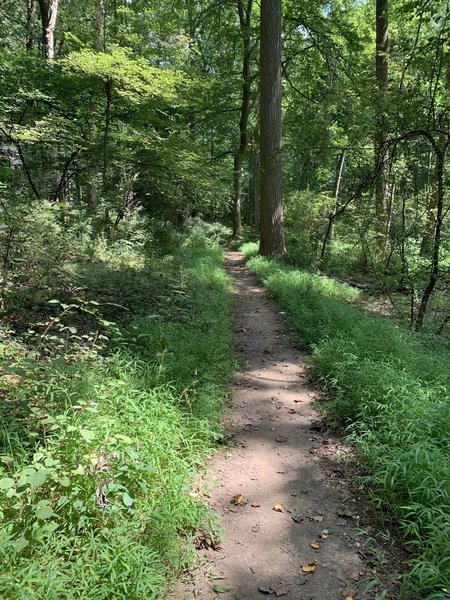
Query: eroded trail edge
{"x":279,"y":499}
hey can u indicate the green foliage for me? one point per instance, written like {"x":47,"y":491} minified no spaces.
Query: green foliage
{"x":98,"y":455}
{"x":390,"y":390}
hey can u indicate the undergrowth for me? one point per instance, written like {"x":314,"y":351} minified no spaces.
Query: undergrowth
{"x":100,"y":443}
{"x":390,"y":391}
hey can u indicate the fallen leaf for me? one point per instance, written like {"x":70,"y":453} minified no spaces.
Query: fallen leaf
{"x":348,"y":597}
{"x":313,"y":450}
{"x":297,"y":517}
{"x":324,"y":534}
{"x":255,"y":505}
{"x":280,"y":590}
{"x":315,"y":545}
{"x":278,"y":508}
{"x":217,"y":576}
{"x":281,"y":439}
{"x":309,"y":568}
{"x":220,"y":589}
{"x":239,"y":500}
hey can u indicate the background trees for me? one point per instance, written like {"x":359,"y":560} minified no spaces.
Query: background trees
{"x":110,"y":108}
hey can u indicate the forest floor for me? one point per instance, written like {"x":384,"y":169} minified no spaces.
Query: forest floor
{"x":289,"y":521}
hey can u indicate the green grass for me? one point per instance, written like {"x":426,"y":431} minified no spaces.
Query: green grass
{"x":390,"y":391}
{"x":99,"y":454}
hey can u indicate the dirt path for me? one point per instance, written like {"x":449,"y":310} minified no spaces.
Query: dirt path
{"x":279,"y":455}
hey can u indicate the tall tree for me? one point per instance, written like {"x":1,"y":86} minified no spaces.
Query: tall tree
{"x":245,"y":18}
{"x":382,"y":190}
{"x":49,"y":14}
{"x":271,"y":200}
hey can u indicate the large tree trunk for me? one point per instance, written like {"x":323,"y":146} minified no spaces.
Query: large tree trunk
{"x":49,"y":14}
{"x":245,"y":17}
{"x":382,"y":191}
{"x":254,"y":186}
{"x":271,"y":201}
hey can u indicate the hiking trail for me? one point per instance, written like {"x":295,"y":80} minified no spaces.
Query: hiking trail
{"x":279,"y":489}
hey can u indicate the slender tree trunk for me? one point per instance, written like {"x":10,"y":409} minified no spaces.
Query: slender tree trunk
{"x":329,"y":232}
{"x":271,"y":201}
{"x":435,"y":259}
{"x":31,"y":13}
{"x":49,"y":14}
{"x":245,"y":18}
{"x":382,"y":192}
{"x":108,"y":94}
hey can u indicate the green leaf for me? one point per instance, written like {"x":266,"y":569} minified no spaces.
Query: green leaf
{"x":45,"y":512}
{"x":20,"y":544}
{"x":127,"y":499}
{"x":7,"y":483}
{"x":220,"y":589}
{"x":87,"y":434}
{"x":38,"y":478}
{"x":124,"y":438}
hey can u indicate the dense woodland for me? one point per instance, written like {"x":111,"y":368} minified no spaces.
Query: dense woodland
{"x":136,"y":136}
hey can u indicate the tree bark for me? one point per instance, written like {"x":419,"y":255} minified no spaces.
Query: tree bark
{"x":49,"y":14}
{"x":254,"y":186}
{"x":271,"y":200}
{"x":382,"y":192}
{"x":245,"y":18}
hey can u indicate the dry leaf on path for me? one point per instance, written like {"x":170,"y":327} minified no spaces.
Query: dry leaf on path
{"x":255,"y":505}
{"x":239,"y":500}
{"x":278,"y":508}
{"x":309,"y":568}
{"x":315,"y":545}
{"x":265,"y":589}
{"x":281,"y":439}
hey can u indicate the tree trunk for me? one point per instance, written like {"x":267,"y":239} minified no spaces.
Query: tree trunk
{"x":108,"y":94}
{"x":99,"y":39}
{"x":382,"y":192}
{"x":271,"y":201}
{"x":329,"y":232}
{"x":245,"y":18}
{"x":254,"y":186}
{"x":49,"y":13}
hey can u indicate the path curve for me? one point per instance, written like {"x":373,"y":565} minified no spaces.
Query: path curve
{"x":279,"y":455}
